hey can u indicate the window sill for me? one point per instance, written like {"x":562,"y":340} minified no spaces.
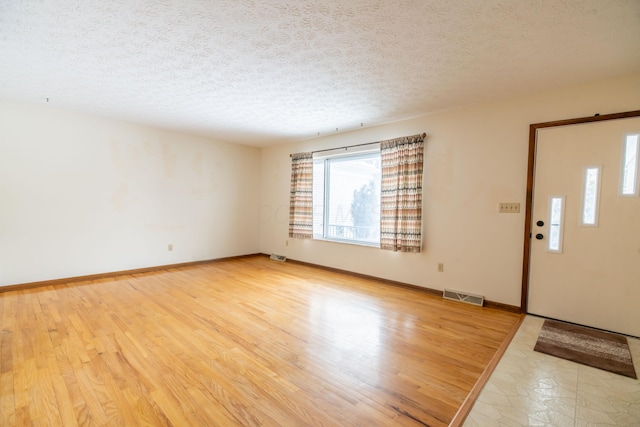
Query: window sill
{"x":349,"y":242}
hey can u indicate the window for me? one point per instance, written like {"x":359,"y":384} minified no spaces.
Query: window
{"x":629,"y":181}
{"x":346,"y":197}
{"x":591,"y":196}
{"x":556,"y":222}
{"x":370,"y":196}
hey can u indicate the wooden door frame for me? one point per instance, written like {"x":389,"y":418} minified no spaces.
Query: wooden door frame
{"x":533,"y":140}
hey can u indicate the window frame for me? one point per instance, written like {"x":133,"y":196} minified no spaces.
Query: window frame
{"x":368,"y":152}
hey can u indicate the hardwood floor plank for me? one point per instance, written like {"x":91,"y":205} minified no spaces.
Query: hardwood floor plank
{"x":244,"y":342}
{"x":22,"y":417}
{"x":89,"y":392}
{"x":42,"y":400}
{"x":7,"y":399}
{"x":217,"y":413}
{"x":63,"y":401}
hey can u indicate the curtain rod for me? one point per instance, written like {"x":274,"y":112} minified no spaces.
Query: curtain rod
{"x":350,"y":146}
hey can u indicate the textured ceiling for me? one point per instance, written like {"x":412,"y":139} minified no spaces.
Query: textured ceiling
{"x":266,"y":71}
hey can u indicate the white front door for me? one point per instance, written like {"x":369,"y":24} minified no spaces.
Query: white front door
{"x":585,"y":262}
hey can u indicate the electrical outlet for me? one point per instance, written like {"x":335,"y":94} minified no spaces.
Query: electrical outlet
{"x":509,"y":207}
{"x":440,"y":267}
{"x":286,"y":243}
{"x":170,"y":247}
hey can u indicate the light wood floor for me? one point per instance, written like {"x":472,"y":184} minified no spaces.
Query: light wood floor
{"x":244,"y":342}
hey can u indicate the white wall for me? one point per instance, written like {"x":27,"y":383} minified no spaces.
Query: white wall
{"x":474,"y":158}
{"x":82,"y":195}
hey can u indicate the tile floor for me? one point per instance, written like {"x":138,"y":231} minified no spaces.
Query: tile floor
{"x":534,"y":389}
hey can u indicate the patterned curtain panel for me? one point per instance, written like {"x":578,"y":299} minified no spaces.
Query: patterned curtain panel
{"x":401,"y":194}
{"x":301,"y":203}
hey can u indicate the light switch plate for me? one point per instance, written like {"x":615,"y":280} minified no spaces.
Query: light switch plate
{"x":509,"y":207}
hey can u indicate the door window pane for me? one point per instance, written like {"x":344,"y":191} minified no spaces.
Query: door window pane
{"x":629,"y":185}
{"x":556,"y":223}
{"x":591,"y":196}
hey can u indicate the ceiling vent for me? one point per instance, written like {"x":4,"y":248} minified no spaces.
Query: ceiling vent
{"x":463,"y":297}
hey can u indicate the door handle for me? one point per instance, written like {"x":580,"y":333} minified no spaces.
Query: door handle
{"x":539,"y":236}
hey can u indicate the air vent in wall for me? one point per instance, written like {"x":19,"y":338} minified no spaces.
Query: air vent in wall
{"x":278,"y":257}
{"x":463,"y":297}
